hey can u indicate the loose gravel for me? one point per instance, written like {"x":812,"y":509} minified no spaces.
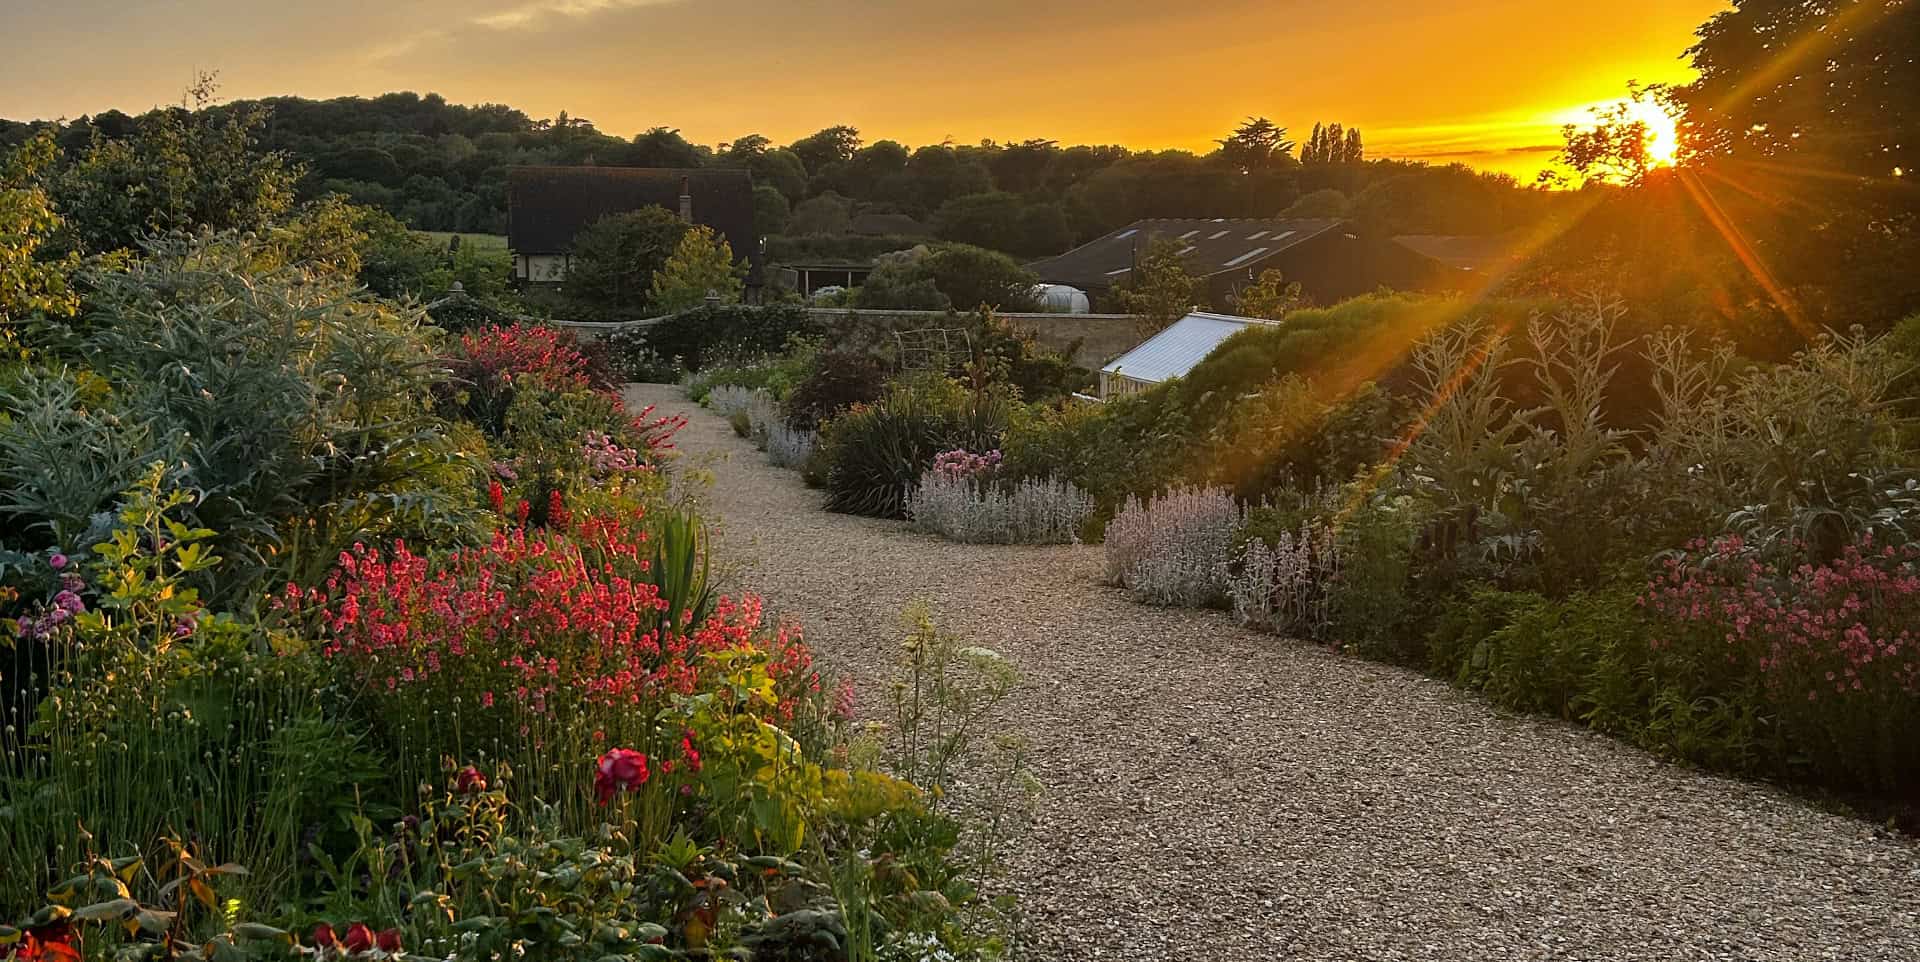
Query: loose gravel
{"x":1217,"y":794}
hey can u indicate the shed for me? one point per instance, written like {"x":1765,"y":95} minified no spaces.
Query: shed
{"x":1171,"y":353}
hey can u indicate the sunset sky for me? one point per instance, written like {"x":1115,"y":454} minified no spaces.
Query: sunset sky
{"x":1484,"y":81}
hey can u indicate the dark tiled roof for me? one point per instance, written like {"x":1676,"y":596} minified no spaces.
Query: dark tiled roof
{"x":548,"y":206}
{"x":1486,"y":253}
{"x":1212,"y":245}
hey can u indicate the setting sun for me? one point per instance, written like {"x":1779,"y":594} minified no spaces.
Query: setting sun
{"x":1663,"y":135}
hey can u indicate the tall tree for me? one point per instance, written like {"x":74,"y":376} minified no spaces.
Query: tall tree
{"x":1832,"y":84}
{"x":615,"y":258}
{"x":1355,"y":152}
{"x":834,"y":145}
{"x":28,"y":283}
{"x":1257,"y":144}
{"x":701,"y":266}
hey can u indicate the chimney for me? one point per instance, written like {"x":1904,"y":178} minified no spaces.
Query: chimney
{"x":686,"y":199}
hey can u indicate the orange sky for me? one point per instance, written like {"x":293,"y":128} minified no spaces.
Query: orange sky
{"x":1485,"y":81}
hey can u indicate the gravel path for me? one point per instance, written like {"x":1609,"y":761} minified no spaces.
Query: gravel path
{"x":1215,"y":794}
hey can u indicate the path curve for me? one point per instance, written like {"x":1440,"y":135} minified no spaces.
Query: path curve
{"x":1217,"y":794}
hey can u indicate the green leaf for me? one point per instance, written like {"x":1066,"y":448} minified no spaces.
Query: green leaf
{"x":100,"y":911}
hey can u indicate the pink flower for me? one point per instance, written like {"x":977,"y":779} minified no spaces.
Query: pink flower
{"x":620,"y":770}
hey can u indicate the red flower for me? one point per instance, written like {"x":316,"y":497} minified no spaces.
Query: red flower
{"x":359,"y":938}
{"x":692,"y":754}
{"x":620,"y":770}
{"x":389,"y":941}
{"x":323,"y":937}
{"x":469,"y":781}
{"x":497,"y":496}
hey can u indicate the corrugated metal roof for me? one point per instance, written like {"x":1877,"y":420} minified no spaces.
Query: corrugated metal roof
{"x":1212,"y":245}
{"x":1174,"y":351}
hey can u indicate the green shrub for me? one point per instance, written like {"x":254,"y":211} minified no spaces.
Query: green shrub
{"x":835,"y":381}
{"x":705,"y":335}
{"x":299,"y":408}
{"x":875,"y":452}
{"x":1372,"y":605}
{"x":1583,"y":659}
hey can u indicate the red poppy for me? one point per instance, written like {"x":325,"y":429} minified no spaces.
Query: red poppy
{"x":359,"y":938}
{"x":470,"y":781}
{"x":323,"y":937}
{"x":620,"y":770}
{"x":389,"y":941}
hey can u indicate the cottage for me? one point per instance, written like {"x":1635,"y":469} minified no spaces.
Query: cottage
{"x":1327,"y":258}
{"x":1171,"y":353}
{"x":548,"y":206}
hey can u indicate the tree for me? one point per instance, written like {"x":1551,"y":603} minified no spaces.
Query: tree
{"x":770,"y":210}
{"x":828,"y":213}
{"x":662,"y":147}
{"x":1316,"y":150}
{"x":702,"y":264}
{"x":1320,"y":203}
{"x":181,"y":170}
{"x":1333,"y":143}
{"x":985,"y":220}
{"x":737,"y":153}
{"x":1614,"y":149}
{"x":834,"y":145}
{"x":1160,"y":289}
{"x":615,"y":258}
{"x":29,"y":284}
{"x":1272,"y":297}
{"x":900,"y":283}
{"x":1831,"y":84}
{"x":1257,"y":144}
{"x":973,"y":277}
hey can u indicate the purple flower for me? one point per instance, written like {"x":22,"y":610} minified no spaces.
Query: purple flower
{"x":69,"y":602}
{"x":58,"y":561}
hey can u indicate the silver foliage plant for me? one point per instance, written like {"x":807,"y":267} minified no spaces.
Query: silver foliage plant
{"x":978,"y":511}
{"x":728,"y":399}
{"x":788,"y":447}
{"x":1283,"y":587}
{"x":1174,"y":550}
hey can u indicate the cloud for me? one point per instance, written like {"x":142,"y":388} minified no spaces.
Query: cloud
{"x":537,"y":13}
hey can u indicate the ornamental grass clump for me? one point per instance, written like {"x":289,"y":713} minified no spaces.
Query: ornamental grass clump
{"x":1174,"y":549}
{"x":984,"y":511}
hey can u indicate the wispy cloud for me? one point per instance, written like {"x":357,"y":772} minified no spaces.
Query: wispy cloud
{"x":537,"y":13}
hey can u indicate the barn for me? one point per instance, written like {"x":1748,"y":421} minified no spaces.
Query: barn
{"x":1329,"y":259}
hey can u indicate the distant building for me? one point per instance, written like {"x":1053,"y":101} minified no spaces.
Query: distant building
{"x":1327,"y":258}
{"x":1485,"y":255}
{"x":1171,"y":353}
{"x":548,"y":206}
